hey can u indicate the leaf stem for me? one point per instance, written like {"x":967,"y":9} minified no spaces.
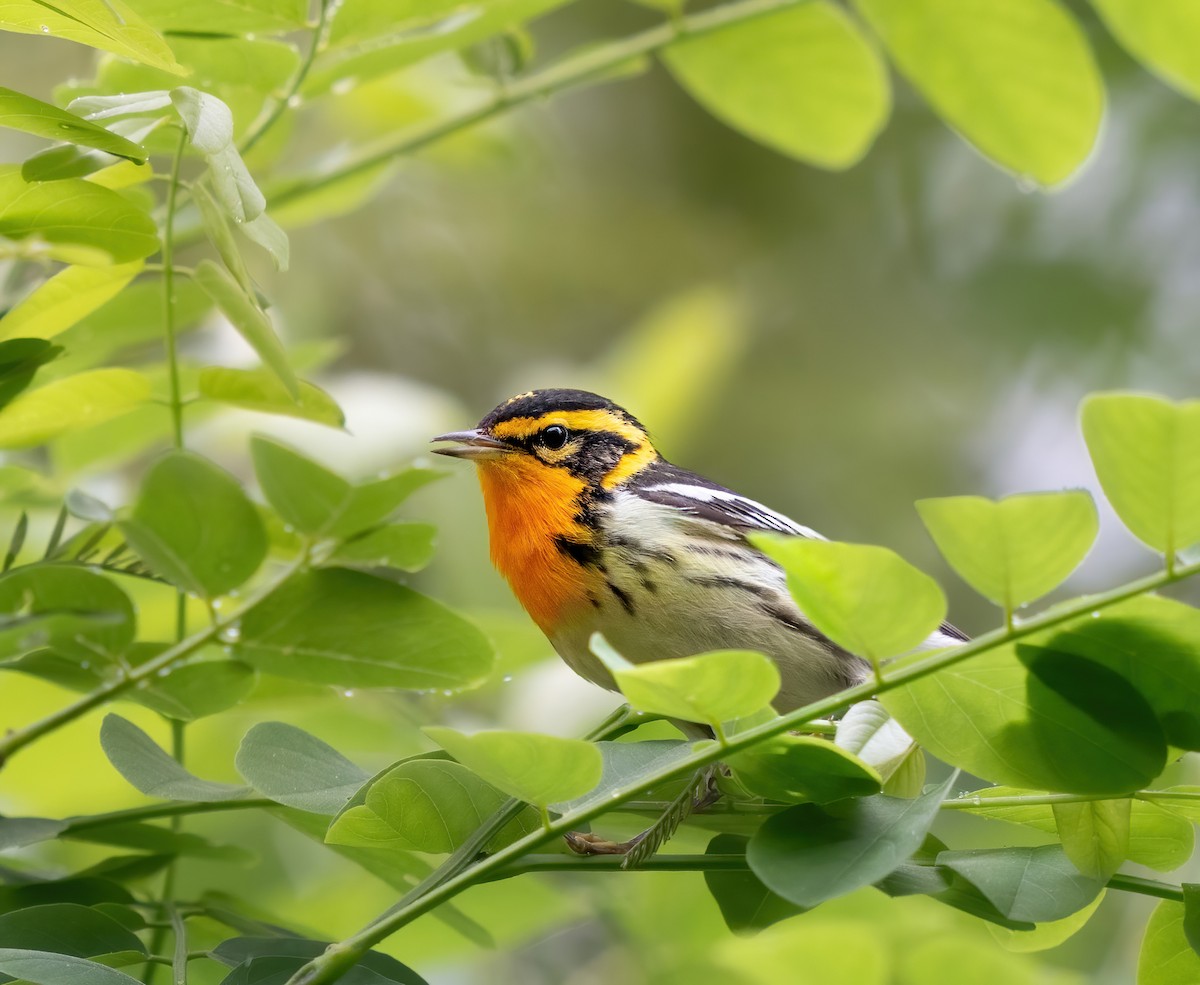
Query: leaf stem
{"x":168,"y":272}
{"x":341,"y":956}
{"x":88,"y":822}
{"x":281,"y":102}
{"x":572,"y":71}
{"x":179,"y":962}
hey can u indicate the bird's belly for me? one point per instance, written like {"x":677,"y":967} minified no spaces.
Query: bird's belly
{"x":685,"y":611}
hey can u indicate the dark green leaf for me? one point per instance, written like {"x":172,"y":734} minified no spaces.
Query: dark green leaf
{"x":20,"y":359}
{"x":161,"y":841}
{"x":84,"y":891}
{"x":346,"y":628}
{"x":402,"y":546}
{"x":238,"y":950}
{"x":624,"y":763}
{"x":74,"y":220}
{"x":1029,"y":884}
{"x":152,"y":771}
{"x":193,"y":525}
{"x":306,"y":495}
{"x":807,"y":855}
{"x":21,"y":112}
{"x":196,"y":690}
{"x":17,"y":832}
{"x":745,"y":903}
{"x":45,"y":968}
{"x":295,"y":768}
{"x":66,"y":928}
{"x":84,"y":616}
{"x":1191,"y":915}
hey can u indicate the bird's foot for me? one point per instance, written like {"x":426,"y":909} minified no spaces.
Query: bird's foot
{"x":586,"y":843}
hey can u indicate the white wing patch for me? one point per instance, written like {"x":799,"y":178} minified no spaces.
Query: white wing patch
{"x":730,"y":507}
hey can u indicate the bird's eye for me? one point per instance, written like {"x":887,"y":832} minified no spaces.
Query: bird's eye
{"x":555,"y":436}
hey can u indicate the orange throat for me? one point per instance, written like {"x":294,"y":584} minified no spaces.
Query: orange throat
{"x":528,"y":507}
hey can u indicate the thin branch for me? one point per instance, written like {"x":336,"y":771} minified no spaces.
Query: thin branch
{"x":89,"y":822}
{"x":341,"y":956}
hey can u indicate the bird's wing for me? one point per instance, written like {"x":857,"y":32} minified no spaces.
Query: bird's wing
{"x":696,"y":496}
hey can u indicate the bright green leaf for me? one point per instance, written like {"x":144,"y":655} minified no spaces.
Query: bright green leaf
{"x":307,"y":495}
{"x":435,"y":805}
{"x":21,"y":112}
{"x":260,"y":390}
{"x":808,"y":856}
{"x":74,"y":220}
{"x":1094,"y":835}
{"x":1146,"y":452}
{"x":802,"y":80}
{"x":832,"y":951}
{"x":866,"y":599}
{"x":145,"y":765}
{"x":1015,"y":550}
{"x":1016,"y":79}
{"x":79,"y":401}
{"x":109,"y":25}
{"x":797,"y":768}
{"x":1046,"y":935}
{"x":711,"y":687}
{"x":350,"y":629}
{"x":250,"y":321}
{"x":1163,"y":35}
{"x":1166,"y":957}
{"x":402,"y":546}
{"x":1191,"y":915}
{"x":1034,"y":884}
{"x":46,"y":968}
{"x":538,"y":769}
{"x":64,"y":299}
{"x":82,"y":615}
{"x":295,"y":768}
{"x":193,"y":525}
{"x":224,"y":16}
{"x":1158,"y":838}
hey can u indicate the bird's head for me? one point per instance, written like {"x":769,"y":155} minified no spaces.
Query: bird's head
{"x":573,"y":432}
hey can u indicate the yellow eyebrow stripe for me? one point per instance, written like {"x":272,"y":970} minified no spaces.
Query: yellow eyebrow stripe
{"x":574,"y":420}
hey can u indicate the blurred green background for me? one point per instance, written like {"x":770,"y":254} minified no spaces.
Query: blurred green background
{"x":835,"y":345}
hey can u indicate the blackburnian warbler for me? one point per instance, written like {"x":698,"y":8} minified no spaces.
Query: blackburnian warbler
{"x":597,"y":532}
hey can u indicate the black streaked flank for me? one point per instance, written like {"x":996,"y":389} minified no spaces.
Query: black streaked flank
{"x":622,"y":597}
{"x":581,"y":552}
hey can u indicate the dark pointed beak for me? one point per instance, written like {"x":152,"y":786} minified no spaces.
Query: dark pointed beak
{"x":471,"y":444}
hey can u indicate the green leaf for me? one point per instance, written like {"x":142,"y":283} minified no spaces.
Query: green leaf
{"x":1015,"y":79}
{"x":197,"y":690}
{"x":797,"y":768}
{"x":109,"y":25}
{"x":745,"y":903}
{"x":193,"y":525}
{"x":350,"y":629}
{"x":216,"y":228}
{"x":272,"y":960}
{"x":990,"y":716}
{"x":866,"y":599}
{"x":140,"y":760}
{"x":867,"y":731}
{"x":802,"y":80}
{"x":1191,"y":914}
{"x":711,"y":687}
{"x":74,"y":220}
{"x":79,"y":401}
{"x":260,"y":390}
{"x":21,"y":112}
{"x":224,"y":16}
{"x":1146,"y":452}
{"x":1046,"y":935}
{"x":66,"y":928}
{"x":19,"y":832}
{"x":84,"y":890}
{"x":64,"y":299}
{"x":428,"y":805}
{"x":268,"y":234}
{"x":316,"y":501}
{"x":1034,"y":884}
{"x":626,"y":763}
{"x":295,"y":768}
{"x":538,"y":769}
{"x":1158,"y":838}
{"x":1166,"y":957}
{"x":807,"y":855}
{"x":1164,"y":36}
{"x":20,"y":359}
{"x":402,"y":546}
{"x":1015,"y":550}
{"x":162,"y":841}
{"x":82,"y":615}
{"x":250,"y":321}
{"x":1094,"y":835}
{"x":46,"y":968}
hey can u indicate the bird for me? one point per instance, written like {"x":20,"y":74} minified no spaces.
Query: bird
{"x":596,"y":532}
